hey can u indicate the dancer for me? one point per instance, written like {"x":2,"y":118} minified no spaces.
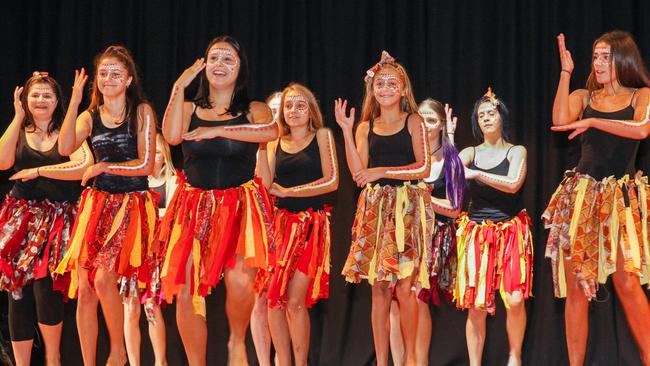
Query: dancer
{"x":394,"y":216}
{"x":300,"y":168}
{"x":494,"y":243}
{"x":37,"y":215}
{"x":597,"y":213}
{"x":114,"y":228}
{"x":447,"y":183}
{"x":219,"y":220}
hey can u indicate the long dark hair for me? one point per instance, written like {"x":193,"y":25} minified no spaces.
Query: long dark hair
{"x":240,"y":101}
{"x":504,"y":114}
{"x":453,"y":165}
{"x":134,"y":93}
{"x":627,"y":61}
{"x":59,"y":112}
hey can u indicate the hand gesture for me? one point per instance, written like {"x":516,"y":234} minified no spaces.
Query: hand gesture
{"x":565,"y":56}
{"x":18,"y":105}
{"x":25,"y":174}
{"x":278,"y":190}
{"x":368,"y":175}
{"x":80,"y":79}
{"x":471,"y":173}
{"x":93,"y":171}
{"x":202,"y":133}
{"x":451,"y":121}
{"x":578,"y":127}
{"x":346,"y":121}
{"x":190,"y":73}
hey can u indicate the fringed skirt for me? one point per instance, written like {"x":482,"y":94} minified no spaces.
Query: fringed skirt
{"x":589,"y":220}
{"x":442,"y":263}
{"x":390,"y":235}
{"x":34,"y":238}
{"x":493,"y":256}
{"x":302,"y":242}
{"x":214,"y":226}
{"x":112,"y":232}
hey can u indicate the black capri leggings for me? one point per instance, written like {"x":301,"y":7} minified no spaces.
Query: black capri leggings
{"x":40,"y":302}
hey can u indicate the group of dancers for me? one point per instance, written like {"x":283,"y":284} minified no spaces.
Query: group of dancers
{"x":249,"y":207}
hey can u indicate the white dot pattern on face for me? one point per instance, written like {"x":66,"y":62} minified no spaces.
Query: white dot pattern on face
{"x":45,"y":93}
{"x":602,"y":56}
{"x":112,"y":72}
{"x":297,"y":102}
{"x":387,"y":81}
{"x":224,"y":57}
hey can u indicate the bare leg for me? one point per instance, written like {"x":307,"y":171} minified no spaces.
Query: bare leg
{"x":576,"y":318}
{"x":423,"y":338}
{"x":281,"y":336}
{"x":22,"y":352}
{"x":111,"y":302}
{"x":132,"y":330}
{"x":475,"y":335}
{"x":191,"y":326}
{"x":396,"y":340}
{"x":298,"y":317}
{"x":515,"y":326}
{"x":408,"y":308}
{"x":157,"y":336}
{"x":240,"y":299}
{"x":260,"y":330}
{"x":87,"y":319}
{"x":52,"y":339}
{"x":380,"y":314}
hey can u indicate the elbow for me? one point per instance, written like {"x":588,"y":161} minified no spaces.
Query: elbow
{"x":171,"y":138}
{"x":6,"y":164}
{"x":334,"y":186}
{"x":454,"y":213}
{"x":273,"y":133}
{"x":64,"y":150}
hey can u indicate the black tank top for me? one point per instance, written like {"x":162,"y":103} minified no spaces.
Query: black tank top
{"x":488,"y":203}
{"x":115,"y":145}
{"x":42,"y":188}
{"x":295,"y":169}
{"x":218,"y":163}
{"x":162,"y":191}
{"x":391,"y":150}
{"x":604,"y":154}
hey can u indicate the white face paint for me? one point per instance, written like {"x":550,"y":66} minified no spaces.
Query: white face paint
{"x":222,"y":57}
{"x":431,"y":119}
{"x":602,"y":56}
{"x":602,"y":63}
{"x":41,"y":100}
{"x":112,"y":77}
{"x":387,"y":88}
{"x":295,"y":109}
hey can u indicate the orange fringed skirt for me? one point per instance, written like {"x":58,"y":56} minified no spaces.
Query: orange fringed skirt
{"x":113,"y":232}
{"x":493,"y":256}
{"x":214,"y":226}
{"x":590,"y":219}
{"x":302,"y":243}
{"x":34,"y":237}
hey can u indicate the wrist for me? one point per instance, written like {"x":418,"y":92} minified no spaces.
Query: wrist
{"x":565,"y":71}
{"x":38,"y":172}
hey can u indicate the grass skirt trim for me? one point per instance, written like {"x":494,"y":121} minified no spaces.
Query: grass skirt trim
{"x":390,"y":235}
{"x":34,"y":238}
{"x":302,"y":244}
{"x":493,"y":256}
{"x":589,"y":220}
{"x":214,"y":226}
{"x":112,"y":232}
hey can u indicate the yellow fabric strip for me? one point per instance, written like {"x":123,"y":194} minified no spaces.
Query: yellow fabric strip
{"x":197,"y":300}
{"x":633,"y":243}
{"x":117,"y":222}
{"x":173,"y":241}
{"x":74,"y":248}
{"x":401,"y":202}
{"x":577,"y":207}
{"x":136,"y":253}
{"x":372,"y":270}
{"x":423,"y":246}
{"x":643,"y":207}
{"x":459,"y":290}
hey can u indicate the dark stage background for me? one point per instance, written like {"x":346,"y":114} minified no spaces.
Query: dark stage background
{"x":452,"y":49}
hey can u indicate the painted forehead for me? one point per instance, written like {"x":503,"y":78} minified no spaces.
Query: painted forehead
{"x":111,"y":65}
{"x":486,"y":107}
{"x":295,"y":98}
{"x":222,"y":51}
{"x":41,"y":88}
{"x":427,"y":111}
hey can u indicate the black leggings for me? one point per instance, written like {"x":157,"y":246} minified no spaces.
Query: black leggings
{"x":40,"y":302}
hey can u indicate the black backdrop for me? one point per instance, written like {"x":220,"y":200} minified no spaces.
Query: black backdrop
{"x":452,"y":49}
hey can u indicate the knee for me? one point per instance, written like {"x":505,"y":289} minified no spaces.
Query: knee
{"x":132,"y":315}
{"x":476,"y":316}
{"x":625,"y":283}
{"x":105,"y":285}
{"x":295,"y":307}
{"x":403,"y":291}
{"x":515,"y":301}
{"x":86,"y":297}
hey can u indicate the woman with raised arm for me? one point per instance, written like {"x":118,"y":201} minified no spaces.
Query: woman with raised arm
{"x":447,"y":184}
{"x":494,"y":241}
{"x":114,"y":229}
{"x":394,"y":217}
{"x":300,"y":167}
{"x":36,"y":216}
{"x":219,"y":221}
{"x":597,"y":214}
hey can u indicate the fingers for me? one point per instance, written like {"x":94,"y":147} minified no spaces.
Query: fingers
{"x":17,"y":92}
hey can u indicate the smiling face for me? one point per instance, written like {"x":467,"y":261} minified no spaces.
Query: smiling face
{"x":603,"y":63}
{"x":295,"y":109}
{"x":112,"y":77}
{"x":489,"y":119}
{"x":222,"y":65}
{"x":387,"y":87}
{"x":41,"y":101}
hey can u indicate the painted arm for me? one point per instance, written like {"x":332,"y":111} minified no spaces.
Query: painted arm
{"x":74,"y":169}
{"x":9,"y":139}
{"x":329,"y":165}
{"x":75,"y":128}
{"x":177,"y":119}
{"x":510,"y":183}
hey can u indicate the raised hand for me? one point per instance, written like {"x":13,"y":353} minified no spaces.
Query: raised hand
{"x":451,"y":121}
{"x":18,"y":105}
{"x":80,"y":79}
{"x":190,"y":73}
{"x":346,"y":121}
{"x":565,"y":55}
